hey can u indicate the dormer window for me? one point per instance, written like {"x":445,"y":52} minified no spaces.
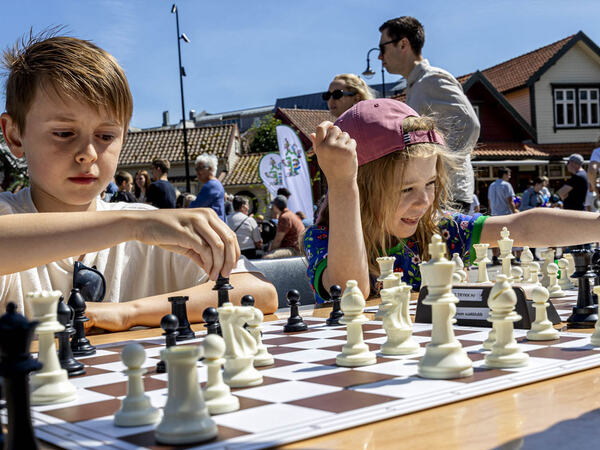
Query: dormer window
{"x":588,"y":107}
{"x":576,"y":107}
{"x":564,"y":107}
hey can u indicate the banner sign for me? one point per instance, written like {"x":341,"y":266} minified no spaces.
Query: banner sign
{"x":269,"y":170}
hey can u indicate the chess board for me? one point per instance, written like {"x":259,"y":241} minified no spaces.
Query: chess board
{"x":304,"y":393}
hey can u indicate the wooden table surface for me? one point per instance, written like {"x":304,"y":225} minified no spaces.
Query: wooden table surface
{"x":522,"y":417}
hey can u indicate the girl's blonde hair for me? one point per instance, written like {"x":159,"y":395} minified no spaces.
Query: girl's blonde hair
{"x":357,"y":84}
{"x":380,"y":191}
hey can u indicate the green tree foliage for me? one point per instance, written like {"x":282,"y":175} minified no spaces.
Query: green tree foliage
{"x":262,"y":137}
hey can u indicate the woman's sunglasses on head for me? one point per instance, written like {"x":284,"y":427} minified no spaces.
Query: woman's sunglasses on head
{"x":337,"y":94}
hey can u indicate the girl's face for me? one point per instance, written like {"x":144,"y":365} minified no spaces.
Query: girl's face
{"x":140,"y":181}
{"x":417,"y":195}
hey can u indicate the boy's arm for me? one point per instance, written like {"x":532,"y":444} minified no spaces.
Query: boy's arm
{"x":32,"y":240}
{"x":544,"y":227}
{"x":150,"y":310}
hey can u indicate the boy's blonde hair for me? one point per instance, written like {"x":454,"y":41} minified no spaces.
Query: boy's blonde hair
{"x":71,"y":67}
{"x":357,"y":84}
{"x":380,"y":191}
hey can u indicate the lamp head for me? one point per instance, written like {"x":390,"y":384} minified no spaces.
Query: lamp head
{"x":173,"y":8}
{"x":185,"y":38}
{"x":369,"y":73}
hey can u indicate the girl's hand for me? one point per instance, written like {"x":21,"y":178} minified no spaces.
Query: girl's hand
{"x":336,"y":153}
{"x":196,"y":233}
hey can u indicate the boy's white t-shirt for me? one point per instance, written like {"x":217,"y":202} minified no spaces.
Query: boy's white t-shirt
{"x":132,"y":269}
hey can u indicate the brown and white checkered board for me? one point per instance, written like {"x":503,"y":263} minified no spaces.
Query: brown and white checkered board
{"x":304,"y":393}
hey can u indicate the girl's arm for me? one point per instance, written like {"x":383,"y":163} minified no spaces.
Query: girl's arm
{"x":32,"y":240}
{"x":544,"y":227}
{"x":346,"y":254}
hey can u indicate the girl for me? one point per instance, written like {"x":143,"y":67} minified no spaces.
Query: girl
{"x":386,"y":173}
{"x":142,"y":182}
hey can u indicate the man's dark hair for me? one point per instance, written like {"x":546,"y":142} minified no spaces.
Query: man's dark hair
{"x":407,"y":27}
{"x":503,"y":171}
{"x":238,"y":202}
{"x":162,"y":164}
{"x":537,"y":180}
{"x":280,"y":202}
{"x":122,"y":176}
{"x":284,"y":191}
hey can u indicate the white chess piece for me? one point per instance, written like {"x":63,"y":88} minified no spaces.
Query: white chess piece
{"x":51,"y":383}
{"x":553,"y":287}
{"x":354,"y":352}
{"x":217,"y":394}
{"x":505,"y":244}
{"x":506,"y":353}
{"x":185,"y":416}
{"x":240,"y":346}
{"x":534,"y":270}
{"x":571,"y":269}
{"x":481,"y":261}
{"x":136,"y":409}
{"x":526,"y":260}
{"x":548,"y":257}
{"x":564,"y":281}
{"x":541,"y":328}
{"x":595,"y":339}
{"x":460,"y":267}
{"x":399,"y":332}
{"x":517,"y":274}
{"x":387,"y":278}
{"x":444,"y":356}
{"x":262,"y":357}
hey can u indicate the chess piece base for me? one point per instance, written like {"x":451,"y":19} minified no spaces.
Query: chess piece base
{"x":295,"y":327}
{"x":184,"y":335}
{"x":263,"y":358}
{"x":512,"y":360}
{"x":240,"y":372}
{"x":185,"y":430}
{"x":446,"y":361}
{"x":83,"y":348}
{"x":400,"y":343}
{"x":220,"y":402}
{"x":357,"y":359}
{"x":136,"y":412}
{"x":52,"y":387}
{"x":74,"y":368}
{"x":585,"y":317}
{"x":550,"y":334}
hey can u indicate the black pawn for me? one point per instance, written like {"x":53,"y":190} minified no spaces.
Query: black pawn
{"x":179,"y":309}
{"x":294,"y":322}
{"x":211,"y":319}
{"x":169,"y":323}
{"x":80,"y":345}
{"x":585,"y":312}
{"x":16,"y":333}
{"x":335,"y":292}
{"x":222,"y":287}
{"x":247,"y":300}
{"x":65,"y":314}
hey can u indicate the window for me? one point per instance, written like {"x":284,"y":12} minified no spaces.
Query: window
{"x":476,"y":109}
{"x":576,"y":107}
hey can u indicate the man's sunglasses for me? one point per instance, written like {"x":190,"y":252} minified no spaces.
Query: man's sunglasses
{"x":337,"y":94}
{"x":383,"y":44}
{"x":89,"y":281}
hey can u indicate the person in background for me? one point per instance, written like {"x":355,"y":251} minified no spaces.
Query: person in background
{"x":124,"y":181}
{"x":228,"y":204}
{"x":500,"y":198}
{"x":245,"y":228}
{"x":285,"y":192}
{"x":592,"y":171}
{"x":475,"y":205}
{"x":111,"y":190}
{"x":161,"y":193}
{"x":289,"y":230}
{"x":532,"y":196}
{"x":267,"y":229}
{"x":545,"y":191}
{"x":305,"y":220}
{"x":184,"y":200}
{"x":345,"y":91}
{"x":142,"y":182}
{"x":212,"y":194}
{"x":574,"y":190}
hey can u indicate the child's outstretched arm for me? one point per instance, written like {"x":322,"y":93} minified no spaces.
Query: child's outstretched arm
{"x":544,"y":227}
{"x":32,"y":240}
{"x":346,"y":253}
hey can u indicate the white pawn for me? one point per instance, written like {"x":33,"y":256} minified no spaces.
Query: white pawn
{"x":217,"y":394}
{"x":354,"y":352}
{"x":548,"y":257}
{"x":541,"y":328}
{"x":571,"y":269}
{"x":51,"y":383}
{"x":481,"y":261}
{"x":505,"y":244}
{"x":595,"y":339}
{"x":564,"y":281}
{"x":398,"y":330}
{"x":526,"y":260}
{"x":506,"y":353}
{"x":185,"y":419}
{"x":517,"y":274}
{"x":136,"y":409}
{"x":534,"y":270}
{"x":460,"y":267}
{"x":262,"y":357}
{"x":553,"y":287}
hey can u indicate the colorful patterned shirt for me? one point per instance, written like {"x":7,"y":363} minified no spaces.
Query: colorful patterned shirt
{"x":458,"y":230}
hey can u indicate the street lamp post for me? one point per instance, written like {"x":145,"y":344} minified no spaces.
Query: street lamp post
{"x":368,"y":73}
{"x":181,"y":75}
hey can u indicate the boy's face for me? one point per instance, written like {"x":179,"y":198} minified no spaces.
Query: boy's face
{"x":71,"y":150}
{"x":418,"y":193}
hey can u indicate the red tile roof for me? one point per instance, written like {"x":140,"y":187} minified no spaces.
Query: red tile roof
{"x":519,"y":150}
{"x":141,"y":147}
{"x":245,"y":171}
{"x":306,"y":120}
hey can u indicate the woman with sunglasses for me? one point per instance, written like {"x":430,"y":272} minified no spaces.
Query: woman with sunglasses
{"x":345,"y":91}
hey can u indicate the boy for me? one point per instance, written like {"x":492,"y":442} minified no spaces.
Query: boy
{"x":161,"y":193}
{"x":68,"y":106}
{"x":124,"y":182}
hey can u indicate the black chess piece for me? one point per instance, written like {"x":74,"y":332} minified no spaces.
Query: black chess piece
{"x":294,"y":322}
{"x":585,"y":312}
{"x":80,"y":345}
{"x":596,"y":269}
{"x":335,"y":292}
{"x":211,"y":319}
{"x":179,"y":309}
{"x":16,"y":333}
{"x":169,"y":323}
{"x":222,"y":287}
{"x":247,"y":300}
{"x":65,"y":314}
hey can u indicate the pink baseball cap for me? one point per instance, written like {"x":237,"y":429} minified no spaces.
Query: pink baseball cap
{"x":376,"y":126}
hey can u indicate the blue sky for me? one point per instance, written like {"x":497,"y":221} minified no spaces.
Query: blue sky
{"x":248,"y":53}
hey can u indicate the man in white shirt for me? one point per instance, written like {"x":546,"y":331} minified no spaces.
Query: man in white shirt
{"x":245,"y":228}
{"x":592,"y":172}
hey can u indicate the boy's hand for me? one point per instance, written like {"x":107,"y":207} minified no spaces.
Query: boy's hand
{"x":336,"y":153}
{"x":196,"y":233}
